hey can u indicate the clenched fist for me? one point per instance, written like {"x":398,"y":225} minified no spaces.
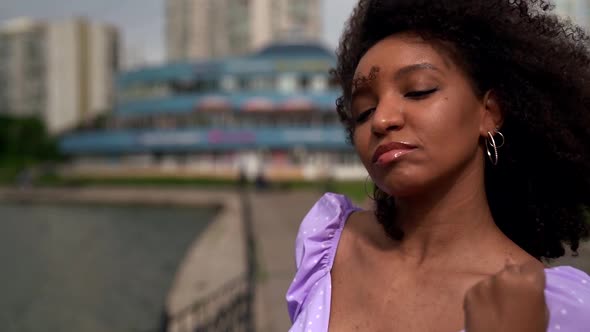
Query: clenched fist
{"x":511,"y":300}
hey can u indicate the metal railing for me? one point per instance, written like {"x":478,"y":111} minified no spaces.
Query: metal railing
{"x":230,"y":308}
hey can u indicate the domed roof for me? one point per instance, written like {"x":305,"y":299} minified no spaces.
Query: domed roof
{"x":300,"y":49}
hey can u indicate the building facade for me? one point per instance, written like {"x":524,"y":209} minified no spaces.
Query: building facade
{"x":205,"y":29}
{"x":61,"y":72}
{"x":272,"y":112}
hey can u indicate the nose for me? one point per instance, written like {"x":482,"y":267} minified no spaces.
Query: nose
{"x":387,"y":117}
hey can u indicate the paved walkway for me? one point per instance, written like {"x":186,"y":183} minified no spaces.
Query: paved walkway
{"x":276,"y":219}
{"x":582,"y":261}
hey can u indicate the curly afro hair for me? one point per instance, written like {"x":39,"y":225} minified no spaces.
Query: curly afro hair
{"x":539,"y":66}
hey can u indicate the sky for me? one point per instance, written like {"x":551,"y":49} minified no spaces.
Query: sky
{"x":142,"y":21}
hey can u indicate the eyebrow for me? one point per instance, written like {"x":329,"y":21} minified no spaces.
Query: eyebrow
{"x":360,"y":82}
{"x":412,"y":68}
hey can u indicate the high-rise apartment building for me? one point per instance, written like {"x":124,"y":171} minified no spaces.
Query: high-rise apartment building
{"x":204,"y":29}
{"x":61,"y":72}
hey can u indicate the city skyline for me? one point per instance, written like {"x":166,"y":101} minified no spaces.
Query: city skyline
{"x":206,"y":29}
{"x":59,"y":70}
{"x":141,"y":22}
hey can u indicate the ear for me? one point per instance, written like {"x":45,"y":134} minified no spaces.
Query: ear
{"x":492,"y":116}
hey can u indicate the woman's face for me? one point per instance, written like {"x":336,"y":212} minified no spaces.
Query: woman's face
{"x":417,"y":118}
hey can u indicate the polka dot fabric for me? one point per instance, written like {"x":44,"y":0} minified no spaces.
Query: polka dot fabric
{"x":308,"y":298}
{"x":568,"y":297}
{"x":567,"y":291}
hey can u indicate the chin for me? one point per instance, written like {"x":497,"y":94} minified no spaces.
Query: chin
{"x":402,"y":185}
{"x":404,"y":191}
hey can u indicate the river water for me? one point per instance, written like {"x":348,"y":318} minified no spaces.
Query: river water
{"x":90,"y":268}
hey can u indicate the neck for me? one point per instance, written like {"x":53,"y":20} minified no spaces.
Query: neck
{"x":447,"y":221}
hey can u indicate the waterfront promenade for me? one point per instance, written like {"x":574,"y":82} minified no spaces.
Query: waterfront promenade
{"x":218,"y":255}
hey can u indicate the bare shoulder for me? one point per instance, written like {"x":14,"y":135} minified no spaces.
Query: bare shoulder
{"x":359,"y":226}
{"x":518,"y":256}
{"x":351,"y":232}
{"x":360,"y":231}
{"x":359,"y":221}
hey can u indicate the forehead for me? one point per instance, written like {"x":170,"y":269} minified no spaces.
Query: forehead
{"x":401,"y":50}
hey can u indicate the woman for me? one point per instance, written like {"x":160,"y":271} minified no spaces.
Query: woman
{"x":472,"y":119}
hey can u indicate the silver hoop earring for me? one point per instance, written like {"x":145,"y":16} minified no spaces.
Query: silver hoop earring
{"x":503,"y":139}
{"x":491,"y":144}
{"x":365,"y":186}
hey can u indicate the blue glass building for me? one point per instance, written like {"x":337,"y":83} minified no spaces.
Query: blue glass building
{"x":272,"y":112}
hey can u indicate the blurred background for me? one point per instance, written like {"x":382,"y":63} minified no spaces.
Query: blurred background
{"x":157,"y":157}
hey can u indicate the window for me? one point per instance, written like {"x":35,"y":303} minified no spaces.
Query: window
{"x":262,"y":83}
{"x":287,"y":83}
{"x":243,"y":84}
{"x":319,"y":83}
{"x":228,"y":83}
{"x":304,"y":82}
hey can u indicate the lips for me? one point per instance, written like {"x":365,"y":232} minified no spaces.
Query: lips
{"x":390,"y":152}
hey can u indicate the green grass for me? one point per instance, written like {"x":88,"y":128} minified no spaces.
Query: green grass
{"x":8,"y":174}
{"x":134,"y":181}
{"x":353,"y":189}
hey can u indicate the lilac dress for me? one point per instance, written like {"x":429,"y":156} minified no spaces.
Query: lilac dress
{"x":567,"y":290}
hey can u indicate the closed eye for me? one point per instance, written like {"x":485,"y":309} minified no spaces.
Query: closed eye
{"x":420,"y":94}
{"x":363,"y":116}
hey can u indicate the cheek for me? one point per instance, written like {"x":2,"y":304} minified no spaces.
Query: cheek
{"x":361,"y":140}
{"x":361,"y":147}
{"x":451,"y":124}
